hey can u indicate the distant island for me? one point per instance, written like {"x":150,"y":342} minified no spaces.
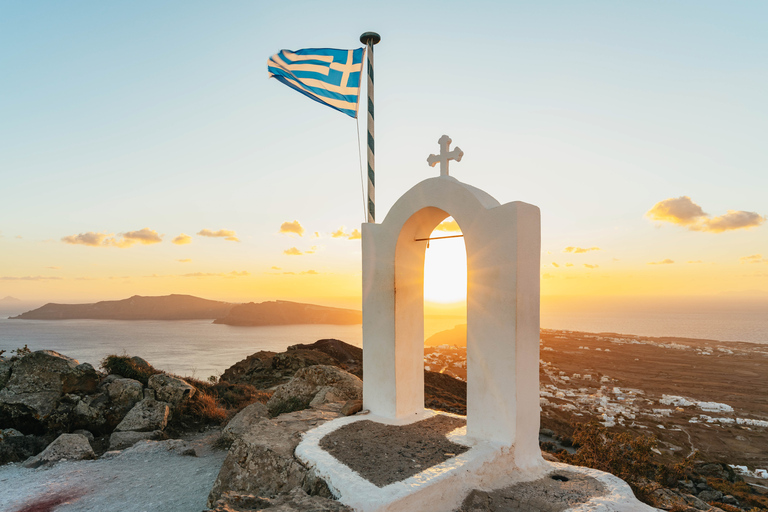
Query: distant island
{"x":283,"y":312}
{"x":10,"y":300}
{"x":167,"y":307}
{"x":188,"y":307}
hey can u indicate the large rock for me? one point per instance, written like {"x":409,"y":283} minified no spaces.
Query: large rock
{"x":120,"y":440}
{"x":349,"y":356}
{"x":245,"y":421}
{"x":145,"y":416}
{"x":124,"y":393}
{"x":16,"y":447}
{"x":171,"y":389}
{"x":317,"y":385}
{"x":5,"y":371}
{"x":36,"y":384}
{"x":268,"y":369}
{"x":261,"y":461}
{"x":295,"y":501}
{"x":66,"y":446}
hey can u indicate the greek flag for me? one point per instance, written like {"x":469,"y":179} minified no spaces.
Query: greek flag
{"x":327,"y":75}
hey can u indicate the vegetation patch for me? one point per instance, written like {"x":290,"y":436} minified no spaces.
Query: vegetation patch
{"x":291,"y":404}
{"x":128,"y":367}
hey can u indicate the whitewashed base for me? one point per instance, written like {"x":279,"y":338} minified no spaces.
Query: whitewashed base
{"x":443,"y":487}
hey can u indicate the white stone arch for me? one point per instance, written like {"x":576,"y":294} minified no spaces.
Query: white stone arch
{"x":503,"y":244}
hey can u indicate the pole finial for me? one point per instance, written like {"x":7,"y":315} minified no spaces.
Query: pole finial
{"x":373,"y":37}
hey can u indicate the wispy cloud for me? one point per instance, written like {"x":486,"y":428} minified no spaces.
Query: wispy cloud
{"x":276,"y":268}
{"x":355,"y":235}
{"x":696,"y":261}
{"x":292,"y":228}
{"x":182,"y":239}
{"x":234,"y":273}
{"x":569,"y":264}
{"x":666,"y":261}
{"x":682,"y":211}
{"x":226,"y":234}
{"x":555,"y":265}
{"x":143,"y":236}
{"x":580,"y":250}
{"x":54,"y":268}
{"x":30,"y":278}
{"x":448,"y":225}
{"x":310,"y":273}
{"x":340,"y":233}
{"x":591,"y":266}
{"x":185,"y":260}
{"x":754,"y":258}
{"x":293,"y":251}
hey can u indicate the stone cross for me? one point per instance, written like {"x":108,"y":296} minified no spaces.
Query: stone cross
{"x":445,"y":155}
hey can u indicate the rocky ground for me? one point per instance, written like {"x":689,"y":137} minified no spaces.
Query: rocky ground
{"x":694,"y":396}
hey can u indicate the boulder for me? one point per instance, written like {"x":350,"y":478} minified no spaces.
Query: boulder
{"x":145,"y":416}
{"x":297,"y":500}
{"x":66,"y":446}
{"x":268,"y":369}
{"x":5,"y":371}
{"x":37,"y":382}
{"x":352,"y":407}
{"x":261,"y":460}
{"x":170,"y":389}
{"x":317,"y":385}
{"x":120,"y":440}
{"x":711,"y":495}
{"x":16,"y":447}
{"x":245,"y":421}
{"x":124,"y":393}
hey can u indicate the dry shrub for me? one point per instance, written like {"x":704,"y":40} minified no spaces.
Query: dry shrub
{"x":203,"y":408}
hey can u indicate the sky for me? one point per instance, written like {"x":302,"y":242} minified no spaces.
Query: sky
{"x":144,"y":150}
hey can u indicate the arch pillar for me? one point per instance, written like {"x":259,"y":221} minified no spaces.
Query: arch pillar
{"x":503,"y":244}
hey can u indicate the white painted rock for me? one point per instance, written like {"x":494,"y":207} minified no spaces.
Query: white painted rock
{"x":145,"y":416}
{"x":66,"y":446}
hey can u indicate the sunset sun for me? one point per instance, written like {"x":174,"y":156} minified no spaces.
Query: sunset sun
{"x":445,"y":269}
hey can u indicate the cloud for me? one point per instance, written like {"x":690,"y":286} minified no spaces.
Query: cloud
{"x":547,"y":276}
{"x":754,"y":258}
{"x":317,"y":234}
{"x":226,"y":234}
{"x":144,"y":236}
{"x":569,"y":264}
{"x":448,"y":225}
{"x":355,"y":235}
{"x":684,"y":212}
{"x":312,"y":250}
{"x":292,"y":228}
{"x":185,"y":260}
{"x":234,"y":273}
{"x":696,"y":261}
{"x":54,"y":268}
{"x":310,"y":273}
{"x":590,"y":266}
{"x":555,"y":265}
{"x":662,"y":262}
{"x":90,"y":238}
{"x":276,"y":268}
{"x":182,"y":239}
{"x":289,"y":273}
{"x":340,"y":233}
{"x":293,"y":251}
{"x":30,"y":278}
{"x":580,"y":250}
{"x":733,"y":220}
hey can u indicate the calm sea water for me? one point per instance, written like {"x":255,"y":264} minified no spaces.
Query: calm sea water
{"x":200,"y":348}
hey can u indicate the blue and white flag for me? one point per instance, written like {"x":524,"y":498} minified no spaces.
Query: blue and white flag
{"x":327,"y":75}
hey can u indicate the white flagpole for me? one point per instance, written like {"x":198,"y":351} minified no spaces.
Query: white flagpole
{"x":369,"y":39}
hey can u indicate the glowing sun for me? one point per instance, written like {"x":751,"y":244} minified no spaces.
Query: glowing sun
{"x":445,"y":269}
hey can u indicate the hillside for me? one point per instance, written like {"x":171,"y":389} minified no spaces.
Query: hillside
{"x":167,"y":307}
{"x":283,"y":312}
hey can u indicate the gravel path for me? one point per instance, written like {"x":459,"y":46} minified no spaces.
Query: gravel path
{"x":152,"y":476}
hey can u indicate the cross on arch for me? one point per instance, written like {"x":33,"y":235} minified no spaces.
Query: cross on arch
{"x":445,"y":155}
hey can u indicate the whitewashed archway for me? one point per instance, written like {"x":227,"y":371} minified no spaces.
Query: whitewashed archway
{"x":503,"y":244}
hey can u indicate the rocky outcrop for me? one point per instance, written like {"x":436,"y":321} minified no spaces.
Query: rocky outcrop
{"x":265,"y":370}
{"x":123,"y":393}
{"x":171,"y":389}
{"x":283,"y":312}
{"x":261,"y":461}
{"x":246,"y":420}
{"x":295,"y":501}
{"x":65,"y":447}
{"x":120,"y":440}
{"x":348,"y":356}
{"x":146,"y":416}
{"x":37,"y":383}
{"x":317,"y":385}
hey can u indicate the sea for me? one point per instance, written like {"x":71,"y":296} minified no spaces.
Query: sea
{"x":200,"y":348}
